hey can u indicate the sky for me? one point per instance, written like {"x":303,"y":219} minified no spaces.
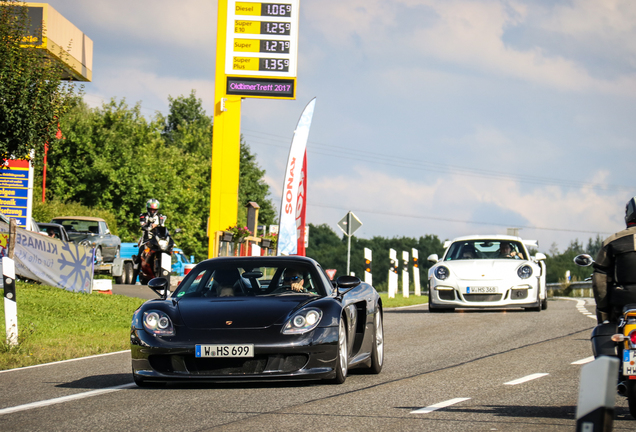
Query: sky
{"x":432,"y":117}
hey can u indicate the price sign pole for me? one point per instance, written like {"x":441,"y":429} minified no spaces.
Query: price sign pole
{"x":256,"y":57}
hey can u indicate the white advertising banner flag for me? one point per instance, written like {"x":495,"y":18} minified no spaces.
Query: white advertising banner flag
{"x":50,"y":261}
{"x":287,"y":231}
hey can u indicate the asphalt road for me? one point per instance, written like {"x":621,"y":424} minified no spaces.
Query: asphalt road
{"x":468,"y":362}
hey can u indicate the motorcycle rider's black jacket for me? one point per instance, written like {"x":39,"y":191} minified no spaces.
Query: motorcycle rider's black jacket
{"x":614,"y":278}
{"x":147,"y":220}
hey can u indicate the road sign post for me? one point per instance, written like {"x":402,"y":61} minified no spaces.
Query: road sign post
{"x":349,"y":224}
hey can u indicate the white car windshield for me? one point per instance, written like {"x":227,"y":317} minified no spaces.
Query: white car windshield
{"x":485,"y":249}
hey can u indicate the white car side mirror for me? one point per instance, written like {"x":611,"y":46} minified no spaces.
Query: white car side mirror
{"x":433,"y":258}
{"x":539,"y":256}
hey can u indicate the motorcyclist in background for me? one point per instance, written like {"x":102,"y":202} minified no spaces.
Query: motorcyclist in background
{"x":614,"y":277}
{"x":148,"y":221}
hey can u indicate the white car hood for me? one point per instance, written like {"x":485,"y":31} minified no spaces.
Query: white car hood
{"x":483,"y":269}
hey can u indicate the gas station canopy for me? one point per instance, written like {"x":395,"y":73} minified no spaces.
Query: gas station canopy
{"x":61,"y":40}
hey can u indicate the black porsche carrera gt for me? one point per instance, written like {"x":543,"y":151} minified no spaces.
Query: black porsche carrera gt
{"x":257,"y":318}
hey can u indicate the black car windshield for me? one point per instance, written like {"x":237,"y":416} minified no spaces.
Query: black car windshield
{"x":485,"y":249}
{"x":215,"y":280}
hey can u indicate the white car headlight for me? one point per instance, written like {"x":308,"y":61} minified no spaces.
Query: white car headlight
{"x":442,"y":273}
{"x":524,"y":272}
{"x":302,"y":322}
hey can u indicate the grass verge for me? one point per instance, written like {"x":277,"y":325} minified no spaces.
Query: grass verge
{"x":399,"y":301}
{"x":54,"y":325}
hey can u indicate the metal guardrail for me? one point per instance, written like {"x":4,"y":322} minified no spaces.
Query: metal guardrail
{"x":572,"y":289}
{"x":573,"y":285}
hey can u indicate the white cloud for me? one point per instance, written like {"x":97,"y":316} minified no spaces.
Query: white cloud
{"x":186,"y":23}
{"x":470,"y":34}
{"x":149,"y":88}
{"x":398,"y":206}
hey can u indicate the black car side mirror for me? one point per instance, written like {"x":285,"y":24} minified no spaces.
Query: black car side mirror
{"x":346,"y":283}
{"x":160,"y":286}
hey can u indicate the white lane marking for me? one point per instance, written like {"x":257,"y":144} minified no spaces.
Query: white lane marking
{"x":63,"y":399}
{"x":580,"y":306}
{"x":440,"y":405}
{"x":63,"y":361}
{"x":583,"y":361}
{"x":526,"y":379}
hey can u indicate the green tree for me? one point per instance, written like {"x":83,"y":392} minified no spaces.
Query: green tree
{"x":252,"y":187}
{"x":558,"y":263}
{"x":113,"y":159}
{"x":187,"y":126}
{"x":32,"y":97}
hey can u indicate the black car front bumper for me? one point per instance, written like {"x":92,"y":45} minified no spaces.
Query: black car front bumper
{"x":311,"y":356}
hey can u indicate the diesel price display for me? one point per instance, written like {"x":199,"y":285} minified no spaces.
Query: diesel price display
{"x":263,"y":9}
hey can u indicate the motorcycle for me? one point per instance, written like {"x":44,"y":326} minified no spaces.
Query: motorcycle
{"x":156,"y":258}
{"x":617,"y":340}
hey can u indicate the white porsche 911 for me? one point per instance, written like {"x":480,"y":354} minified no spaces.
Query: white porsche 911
{"x":487,"y":272}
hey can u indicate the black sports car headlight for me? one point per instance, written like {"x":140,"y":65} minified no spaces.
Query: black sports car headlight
{"x":442,"y":273}
{"x":302,"y":322}
{"x":158,"y":323}
{"x":524,"y":272}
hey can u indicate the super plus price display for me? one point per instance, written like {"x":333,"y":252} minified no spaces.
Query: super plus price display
{"x":262,"y":39}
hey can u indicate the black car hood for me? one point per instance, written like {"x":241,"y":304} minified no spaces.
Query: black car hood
{"x":238,"y":312}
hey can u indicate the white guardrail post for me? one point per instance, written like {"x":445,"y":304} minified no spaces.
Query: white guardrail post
{"x":406,"y":287}
{"x":416,"y":272}
{"x":10,"y":305}
{"x":393,"y":276}
{"x":8,"y":278}
{"x":368,"y":258}
{"x":597,"y":395}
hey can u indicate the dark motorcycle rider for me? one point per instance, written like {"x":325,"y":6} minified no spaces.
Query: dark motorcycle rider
{"x":614,"y":277}
{"x":148,"y":221}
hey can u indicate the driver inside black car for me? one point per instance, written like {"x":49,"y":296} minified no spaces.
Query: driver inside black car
{"x":294,"y":280}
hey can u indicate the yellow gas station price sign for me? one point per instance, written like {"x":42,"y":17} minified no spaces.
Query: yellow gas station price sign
{"x":262,"y":40}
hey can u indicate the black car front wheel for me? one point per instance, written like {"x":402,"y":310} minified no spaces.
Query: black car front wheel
{"x":342,"y":360}
{"x":377,"y":352}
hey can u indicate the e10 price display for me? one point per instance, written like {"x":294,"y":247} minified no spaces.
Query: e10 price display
{"x":262,"y":27}
{"x":263,"y":9}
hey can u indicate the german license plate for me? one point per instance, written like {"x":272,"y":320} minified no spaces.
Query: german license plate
{"x":481,"y":290}
{"x":629,"y":362}
{"x":246,"y":350}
